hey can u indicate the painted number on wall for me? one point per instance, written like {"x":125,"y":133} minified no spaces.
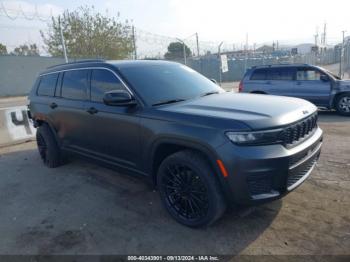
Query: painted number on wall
{"x":19,"y":125}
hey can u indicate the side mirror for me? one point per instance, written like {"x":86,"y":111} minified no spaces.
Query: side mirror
{"x":214,"y":81}
{"x":324,"y":78}
{"x":118,"y":98}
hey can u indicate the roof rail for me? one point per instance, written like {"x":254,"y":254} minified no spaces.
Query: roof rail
{"x":279,"y":64}
{"x":78,"y":62}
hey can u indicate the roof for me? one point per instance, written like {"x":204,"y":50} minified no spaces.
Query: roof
{"x":105,"y":63}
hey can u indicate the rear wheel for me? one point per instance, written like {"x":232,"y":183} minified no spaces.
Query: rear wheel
{"x":342,"y":104}
{"x":49,"y":151}
{"x":189,"y":189}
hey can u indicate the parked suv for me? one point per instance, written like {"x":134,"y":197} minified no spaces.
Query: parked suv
{"x":203,"y":148}
{"x":312,"y":83}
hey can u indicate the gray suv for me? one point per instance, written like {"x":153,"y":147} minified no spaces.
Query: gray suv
{"x":309,"y":82}
{"x":204,"y":149}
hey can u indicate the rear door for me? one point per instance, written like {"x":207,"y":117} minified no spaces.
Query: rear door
{"x":309,"y":86}
{"x":45,"y":100}
{"x":69,"y":113}
{"x":256,"y":82}
{"x":272,"y":80}
{"x":280,"y":81}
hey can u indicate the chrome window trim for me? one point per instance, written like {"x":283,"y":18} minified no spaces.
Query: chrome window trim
{"x":91,"y":68}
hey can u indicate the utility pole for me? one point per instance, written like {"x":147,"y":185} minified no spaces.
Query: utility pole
{"x":316,"y":47}
{"x":197,"y":41}
{"x":324,"y":34}
{"x":342,"y":55}
{"x":62,"y":41}
{"x":134,"y":42}
{"x":246,"y":53}
{"x":220,"y":67}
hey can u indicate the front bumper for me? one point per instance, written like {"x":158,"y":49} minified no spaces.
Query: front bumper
{"x":263,"y":173}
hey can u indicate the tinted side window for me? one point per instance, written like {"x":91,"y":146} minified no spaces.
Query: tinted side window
{"x":103,"y":81}
{"x":259,"y":74}
{"x":47,"y":85}
{"x":74,"y":84}
{"x":281,"y":74}
{"x":308,"y":74}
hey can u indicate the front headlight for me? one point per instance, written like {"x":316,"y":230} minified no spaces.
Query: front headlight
{"x":267,"y":137}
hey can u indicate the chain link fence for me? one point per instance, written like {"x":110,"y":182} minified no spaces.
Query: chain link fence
{"x":237,"y":64}
{"x":203,"y":55}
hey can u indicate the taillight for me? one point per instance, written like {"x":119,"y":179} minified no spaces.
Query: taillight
{"x":240,"y":87}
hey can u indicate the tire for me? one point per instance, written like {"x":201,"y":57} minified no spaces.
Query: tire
{"x":342,"y":104}
{"x":48,"y":148}
{"x":197,"y":205}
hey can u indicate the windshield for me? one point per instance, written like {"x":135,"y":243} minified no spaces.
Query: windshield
{"x":169,"y":81}
{"x":332,"y":74}
{"x":329,"y":73}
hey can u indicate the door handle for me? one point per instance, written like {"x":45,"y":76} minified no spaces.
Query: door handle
{"x":92,"y":110}
{"x":268,"y":82}
{"x":298,"y":83}
{"x":53,"y":105}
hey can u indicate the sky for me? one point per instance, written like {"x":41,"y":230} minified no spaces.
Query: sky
{"x":264,"y":21}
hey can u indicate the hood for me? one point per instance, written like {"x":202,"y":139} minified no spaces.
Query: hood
{"x":256,"y":111}
{"x":344,"y":84}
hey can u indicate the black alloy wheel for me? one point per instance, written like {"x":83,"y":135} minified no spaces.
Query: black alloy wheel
{"x":185,"y":192}
{"x":189,"y":189}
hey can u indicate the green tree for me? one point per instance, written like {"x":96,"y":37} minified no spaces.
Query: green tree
{"x":3,"y":49}
{"x":89,"y":34}
{"x":175,"y":51}
{"x":26,"y":50}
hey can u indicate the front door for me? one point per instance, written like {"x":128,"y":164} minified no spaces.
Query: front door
{"x":310,"y":86}
{"x":114,"y":131}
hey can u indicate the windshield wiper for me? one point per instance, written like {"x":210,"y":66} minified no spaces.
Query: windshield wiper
{"x":210,"y":93}
{"x":170,"y":101}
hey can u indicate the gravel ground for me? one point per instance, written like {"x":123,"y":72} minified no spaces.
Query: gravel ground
{"x":81,"y":208}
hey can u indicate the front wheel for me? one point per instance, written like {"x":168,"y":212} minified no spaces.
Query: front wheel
{"x":342,"y":104}
{"x":189,"y":190}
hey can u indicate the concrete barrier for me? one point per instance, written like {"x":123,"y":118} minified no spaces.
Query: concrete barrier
{"x":15,"y":126}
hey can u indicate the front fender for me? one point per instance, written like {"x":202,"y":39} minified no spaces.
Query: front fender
{"x":182,"y":142}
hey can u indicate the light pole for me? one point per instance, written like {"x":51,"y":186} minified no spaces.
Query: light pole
{"x":342,"y":55}
{"x":183,"y":48}
{"x":184,"y":45}
{"x":62,"y":40}
{"x":220,"y":65}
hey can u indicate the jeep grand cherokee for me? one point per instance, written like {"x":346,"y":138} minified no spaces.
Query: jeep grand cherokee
{"x":203,"y":148}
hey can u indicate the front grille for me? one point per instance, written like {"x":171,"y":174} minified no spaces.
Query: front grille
{"x":300,"y":156}
{"x":298,"y":131}
{"x":299,"y":172}
{"x":259,"y":184}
